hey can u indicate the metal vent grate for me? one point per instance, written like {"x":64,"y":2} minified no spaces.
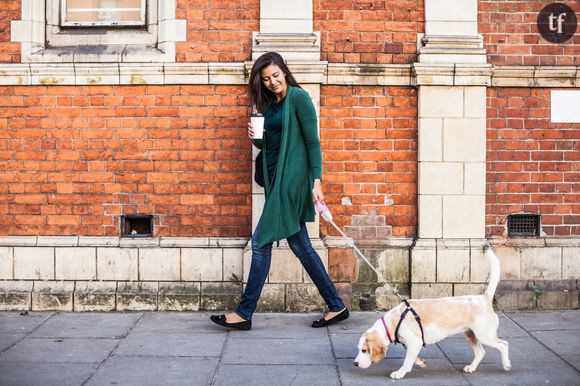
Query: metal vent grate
{"x":524,"y":225}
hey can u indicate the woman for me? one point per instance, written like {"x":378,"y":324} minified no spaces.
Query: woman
{"x":292,"y":165}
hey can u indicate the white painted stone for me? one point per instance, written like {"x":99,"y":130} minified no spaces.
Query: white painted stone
{"x":228,"y":242}
{"x":451,"y":10}
{"x":53,"y":295}
{"x":76,"y":263}
{"x":233,"y":264}
{"x":117,"y":263}
{"x":285,"y":267}
{"x":159,"y":264}
{"x":18,"y":241}
{"x":510,"y":262}
{"x":6,"y":263}
{"x":201,"y":264}
{"x":226,"y":73}
{"x":440,"y":102}
{"x":464,"y":139}
{"x":468,"y":289}
{"x":34,"y":263}
{"x":430,"y":291}
{"x":258,"y":200}
{"x":20,"y":31}
{"x":440,"y":178}
{"x":182,"y":73}
{"x":52,"y":74}
{"x":474,"y":177}
{"x":570,"y":263}
{"x":96,"y":73}
{"x":430,"y":139}
{"x":140,"y":74}
{"x":464,"y":216}
{"x":57,"y":241}
{"x":542,"y":263}
{"x":275,"y":9}
{"x":184,"y":242}
{"x":450,"y":28}
{"x":172,"y":31}
{"x":475,"y":101}
{"x":453,"y":265}
{"x":285,"y":26}
{"x":393,"y":264}
{"x":430,"y":216}
{"x":423,"y":265}
{"x":564,"y":106}
{"x":90,"y":241}
{"x":479,"y":266}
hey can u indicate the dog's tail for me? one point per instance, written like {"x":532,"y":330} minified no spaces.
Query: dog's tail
{"x":494,"y":273}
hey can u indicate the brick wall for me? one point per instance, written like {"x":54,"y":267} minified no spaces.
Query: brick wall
{"x":369,"y":144}
{"x":511,"y":36}
{"x":532,"y":164}
{"x":218,"y":30}
{"x":72,"y":159}
{"x":369,"y":31}
{"x":9,"y":52}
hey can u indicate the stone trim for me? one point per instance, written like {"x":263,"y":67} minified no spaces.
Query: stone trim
{"x":95,"y":241}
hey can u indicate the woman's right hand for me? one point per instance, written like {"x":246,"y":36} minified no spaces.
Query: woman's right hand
{"x":250,"y":130}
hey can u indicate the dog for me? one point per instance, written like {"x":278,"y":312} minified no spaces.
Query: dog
{"x":439,"y":318}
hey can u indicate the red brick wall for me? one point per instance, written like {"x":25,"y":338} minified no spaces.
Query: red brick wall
{"x":73,"y":159}
{"x":369,"y":31}
{"x":511,"y":36}
{"x":532,"y":164}
{"x":369,"y":144}
{"x":218,"y":30}
{"x":9,"y":52}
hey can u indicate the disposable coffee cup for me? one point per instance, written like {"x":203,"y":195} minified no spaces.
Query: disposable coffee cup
{"x":257,"y":120}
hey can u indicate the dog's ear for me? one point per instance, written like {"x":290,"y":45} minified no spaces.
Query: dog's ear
{"x":377,"y":347}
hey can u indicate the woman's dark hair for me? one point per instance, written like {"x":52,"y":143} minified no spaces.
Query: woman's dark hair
{"x":260,"y":96}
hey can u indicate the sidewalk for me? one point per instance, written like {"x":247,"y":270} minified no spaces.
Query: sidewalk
{"x":44,"y":348}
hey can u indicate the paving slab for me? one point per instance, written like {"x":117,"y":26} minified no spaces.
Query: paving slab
{"x":523,"y":374}
{"x":357,"y":323}
{"x":563,"y":343}
{"x":24,"y":323}
{"x":284,"y":326}
{"x":59,"y":350}
{"x":9,"y":339}
{"x":437,"y":372}
{"x":268,"y":375}
{"x":547,"y":320}
{"x":87,"y":325}
{"x":521,"y":350}
{"x":45,"y":374}
{"x":278,"y":351}
{"x":176,"y":344}
{"x":150,"y":371}
{"x":173,"y":322}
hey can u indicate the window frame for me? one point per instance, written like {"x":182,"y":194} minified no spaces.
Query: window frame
{"x":88,"y":24}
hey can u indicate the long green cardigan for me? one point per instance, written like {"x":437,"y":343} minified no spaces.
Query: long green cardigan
{"x":289,"y":195}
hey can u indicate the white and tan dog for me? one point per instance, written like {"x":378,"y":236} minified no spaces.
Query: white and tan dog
{"x":440,"y":318}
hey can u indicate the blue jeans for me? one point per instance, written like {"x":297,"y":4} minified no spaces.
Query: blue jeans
{"x":299,"y":244}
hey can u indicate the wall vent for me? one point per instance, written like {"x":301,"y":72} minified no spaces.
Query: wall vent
{"x":136,"y":225}
{"x":523,"y":225}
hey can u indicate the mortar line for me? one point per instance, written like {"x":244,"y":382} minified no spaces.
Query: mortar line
{"x":333,"y":352}
{"x":219,"y":363}
{"x":461,"y":373}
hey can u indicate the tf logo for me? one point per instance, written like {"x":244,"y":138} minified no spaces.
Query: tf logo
{"x":557,"y":23}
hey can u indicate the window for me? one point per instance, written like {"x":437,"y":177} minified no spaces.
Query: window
{"x":78,"y":13}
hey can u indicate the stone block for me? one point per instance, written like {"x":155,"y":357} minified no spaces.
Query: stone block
{"x":385,"y":299}
{"x":6,"y":263}
{"x":451,"y":28}
{"x":430,"y":139}
{"x":15,"y":295}
{"x":475,"y":102}
{"x":53,"y":295}
{"x":117,"y":263}
{"x":343,"y":264}
{"x":233,"y":262}
{"x":541,"y":263}
{"x":510,"y":262}
{"x":439,"y":10}
{"x":514,"y":300}
{"x":273,"y":298}
{"x":474,"y":178}
{"x":440,"y":102}
{"x":468,"y":289}
{"x":393,"y":264}
{"x":33,"y":263}
{"x":453,"y":265}
{"x":201,"y":264}
{"x":363,"y":296}
{"x":220,"y":296}
{"x":159,"y":264}
{"x":440,"y":178}
{"x":464,"y":216}
{"x":464,"y":139}
{"x":181,"y":296}
{"x":571,"y":263}
{"x":430,"y":214}
{"x":559,"y":300}
{"x":479,"y":266}
{"x":345,"y":292}
{"x":303,"y":298}
{"x":423,"y":265}
{"x":285,"y":267}
{"x":95,"y":296}
{"x":422,"y":291}
{"x":76,"y":263}
{"x":141,"y":296}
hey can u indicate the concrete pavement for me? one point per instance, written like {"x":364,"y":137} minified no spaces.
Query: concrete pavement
{"x":47,"y":348}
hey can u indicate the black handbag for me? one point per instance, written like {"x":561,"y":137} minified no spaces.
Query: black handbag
{"x":259,"y":172}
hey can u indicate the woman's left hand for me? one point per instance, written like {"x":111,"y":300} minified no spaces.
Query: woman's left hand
{"x":317,"y":194}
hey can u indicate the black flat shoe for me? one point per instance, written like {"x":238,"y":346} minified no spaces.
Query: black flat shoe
{"x":338,"y":318}
{"x":221,"y":320}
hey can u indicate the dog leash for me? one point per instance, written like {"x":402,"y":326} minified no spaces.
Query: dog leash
{"x":323,"y":210}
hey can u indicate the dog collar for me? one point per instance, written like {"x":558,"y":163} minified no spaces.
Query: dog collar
{"x":387,"y":330}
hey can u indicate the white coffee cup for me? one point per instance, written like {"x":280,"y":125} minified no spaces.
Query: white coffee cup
{"x":257,"y":120}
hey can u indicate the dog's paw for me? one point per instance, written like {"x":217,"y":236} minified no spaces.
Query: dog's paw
{"x":421,"y":362}
{"x":469,"y":368}
{"x":507,"y":366}
{"x":399,"y":374}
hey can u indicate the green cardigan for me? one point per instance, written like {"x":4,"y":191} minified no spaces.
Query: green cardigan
{"x":289,"y":196}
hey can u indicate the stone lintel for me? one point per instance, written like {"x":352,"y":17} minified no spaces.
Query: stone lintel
{"x":443,"y":74}
{"x":369,"y":74}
